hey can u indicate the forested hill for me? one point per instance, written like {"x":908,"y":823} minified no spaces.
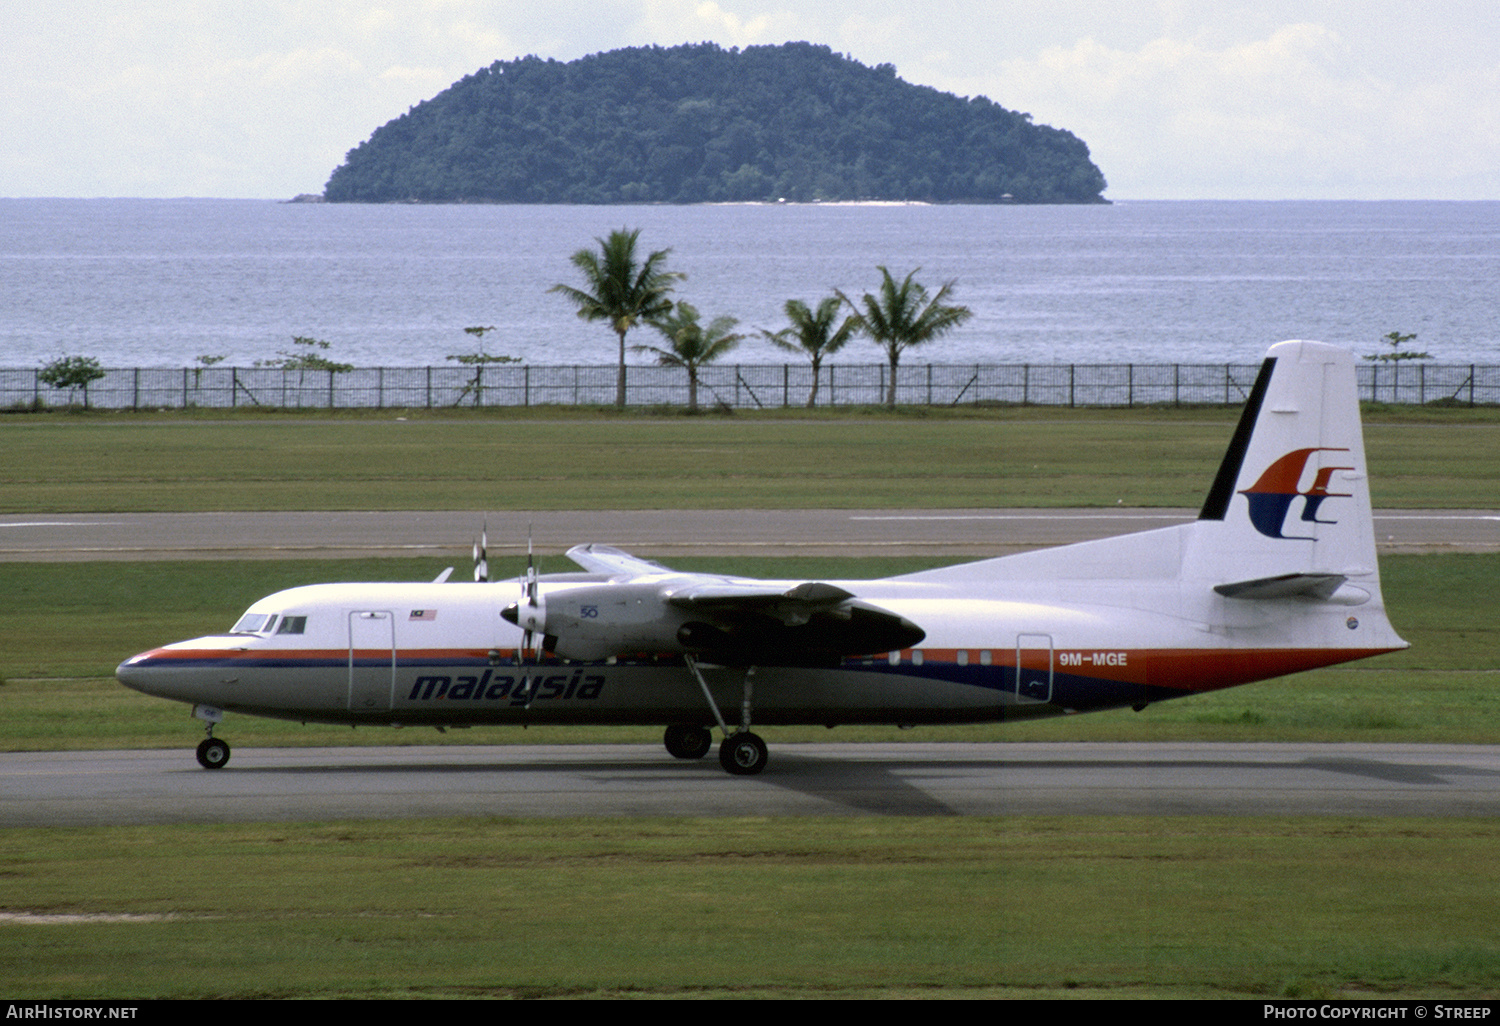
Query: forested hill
{"x":699,"y":124}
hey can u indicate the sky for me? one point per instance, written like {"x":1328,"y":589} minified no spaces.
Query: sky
{"x":1177,"y":99}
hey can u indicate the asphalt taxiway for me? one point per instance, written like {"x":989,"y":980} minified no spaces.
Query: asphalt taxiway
{"x":658,"y":533}
{"x":897,"y":779}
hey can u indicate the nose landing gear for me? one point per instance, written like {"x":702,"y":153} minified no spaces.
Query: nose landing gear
{"x":212,"y":753}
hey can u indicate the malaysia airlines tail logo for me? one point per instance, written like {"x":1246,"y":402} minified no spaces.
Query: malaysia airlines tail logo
{"x":1272,"y":495}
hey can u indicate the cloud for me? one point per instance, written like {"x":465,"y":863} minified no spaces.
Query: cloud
{"x":1176,"y":98}
{"x":672,"y":21}
{"x":866,"y":36}
{"x":302,"y":68}
{"x":1295,"y":112}
{"x":210,"y":97}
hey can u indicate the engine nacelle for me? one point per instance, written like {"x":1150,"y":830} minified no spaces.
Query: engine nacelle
{"x":811,"y":624}
{"x":599,"y":621}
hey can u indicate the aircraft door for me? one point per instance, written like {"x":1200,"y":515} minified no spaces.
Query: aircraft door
{"x":372,"y":660}
{"x":1034,"y":667}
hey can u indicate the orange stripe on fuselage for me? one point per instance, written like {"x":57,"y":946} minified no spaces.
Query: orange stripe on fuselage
{"x":1186,"y":669}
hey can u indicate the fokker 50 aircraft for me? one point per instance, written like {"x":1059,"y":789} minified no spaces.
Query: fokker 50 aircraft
{"x":1276,"y":575}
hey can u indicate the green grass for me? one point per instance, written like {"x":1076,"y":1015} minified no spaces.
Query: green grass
{"x":966,"y":906}
{"x":1304,"y":907}
{"x":1004,"y":458}
{"x":64,"y":627}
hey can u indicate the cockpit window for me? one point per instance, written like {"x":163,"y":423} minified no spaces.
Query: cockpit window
{"x":292,"y":625}
{"x":253,"y":623}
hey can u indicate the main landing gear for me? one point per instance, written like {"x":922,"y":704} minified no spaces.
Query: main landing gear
{"x":741,"y":753}
{"x":688,"y":741}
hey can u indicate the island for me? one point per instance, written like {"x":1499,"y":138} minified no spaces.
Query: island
{"x":701,"y":124}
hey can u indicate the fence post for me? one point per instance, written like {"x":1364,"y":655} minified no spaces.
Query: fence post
{"x":929,"y":384}
{"x":1176,"y":384}
{"x":1072,"y":395}
{"x":1129,"y":385}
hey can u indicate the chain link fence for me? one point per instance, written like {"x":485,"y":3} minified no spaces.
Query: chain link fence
{"x":743,"y":386}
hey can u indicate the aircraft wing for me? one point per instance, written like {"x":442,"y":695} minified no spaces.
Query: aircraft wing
{"x":713,"y":594}
{"x":605,"y":559}
{"x":648,"y":607}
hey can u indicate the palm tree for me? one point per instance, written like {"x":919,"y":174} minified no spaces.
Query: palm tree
{"x":620,"y":291}
{"x":903,"y":316}
{"x":813,"y":334}
{"x":692,"y":345}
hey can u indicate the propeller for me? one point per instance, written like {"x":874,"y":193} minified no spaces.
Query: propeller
{"x":481,"y":558}
{"x":527,"y":620}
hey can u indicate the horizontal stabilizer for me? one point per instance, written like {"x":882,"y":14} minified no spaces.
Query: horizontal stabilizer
{"x":1318,"y":586}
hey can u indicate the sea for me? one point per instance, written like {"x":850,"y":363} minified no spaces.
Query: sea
{"x":163,"y":283}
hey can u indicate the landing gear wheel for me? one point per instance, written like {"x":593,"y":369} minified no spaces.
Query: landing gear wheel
{"x":686,"y":741}
{"x":743,"y":754}
{"x":212,"y":753}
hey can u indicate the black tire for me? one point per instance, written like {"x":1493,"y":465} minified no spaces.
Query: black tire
{"x":688,"y":741}
{"x":213,"y":753}
{"x":743,"y":754}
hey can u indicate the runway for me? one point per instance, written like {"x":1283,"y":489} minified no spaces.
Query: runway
{"x":898,"y":779}
{"x":656,"y":533}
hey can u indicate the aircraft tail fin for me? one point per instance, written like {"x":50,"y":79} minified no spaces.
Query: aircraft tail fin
{"x":1287,"y":517}
{"x":1289,"y":509}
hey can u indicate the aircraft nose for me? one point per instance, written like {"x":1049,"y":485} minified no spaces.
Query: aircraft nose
{"x":138,"y":673}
